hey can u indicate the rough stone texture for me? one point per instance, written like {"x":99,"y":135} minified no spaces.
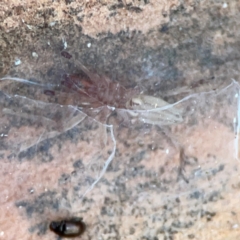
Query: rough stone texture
{"x":159,"y":46}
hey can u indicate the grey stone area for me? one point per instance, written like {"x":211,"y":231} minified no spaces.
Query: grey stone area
{"x":162,"y":59}
{"x":199,"y":44}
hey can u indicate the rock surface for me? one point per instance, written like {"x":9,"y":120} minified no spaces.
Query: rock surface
{"x":174,"y":182}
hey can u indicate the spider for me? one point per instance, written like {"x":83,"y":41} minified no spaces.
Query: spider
{"x":98,"y":92}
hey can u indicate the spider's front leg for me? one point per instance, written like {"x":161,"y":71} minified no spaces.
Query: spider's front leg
{"x":154,"y":110}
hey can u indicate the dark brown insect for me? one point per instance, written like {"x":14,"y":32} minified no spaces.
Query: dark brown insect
{"x":66,"y":54}
{"x":49,"y":92}
{"x":68,"y":228}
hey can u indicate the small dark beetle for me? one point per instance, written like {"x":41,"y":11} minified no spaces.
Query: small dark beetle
{"x":49,"y":92}
{"x":66,"y":54}
{"x":68,"y":228}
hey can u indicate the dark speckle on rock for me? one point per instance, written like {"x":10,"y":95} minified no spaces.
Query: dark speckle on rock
{"x":196,"y":195}
{"x":39,"y":204}
{"x":164,"y":28}
{"x":78,"y":164}
{"x":221,"y":167}
{"x":137,"y":158}
{"x":178,"y":200}
{"x":104,"y":210}
{"x":209,"y":215}
{"x":40,"y":228}
{"x":214,"y":196}
{"x":116,"y":6}
{"x":131,"y":231}
{"x":65,"y":178}
{"x":134,"y":9}
{"x":112,"y":14}
{"x":69,"y":1}
{"x":41,"y":150}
